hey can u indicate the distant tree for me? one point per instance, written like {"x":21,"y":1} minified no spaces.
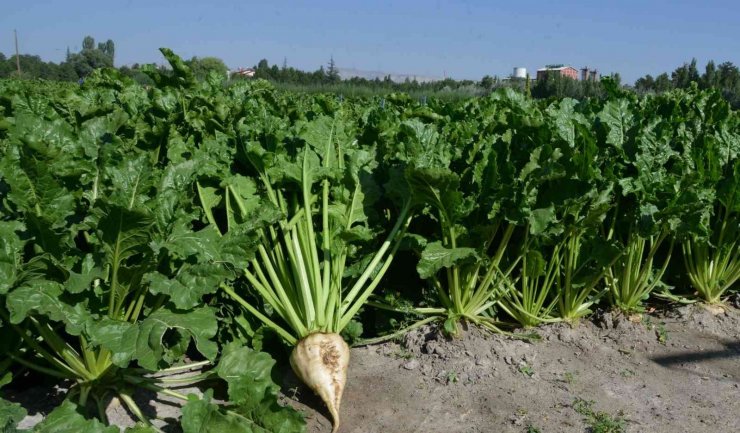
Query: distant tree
{"x":262,"y":70}
{"x":332,"y":73}
{"x":32,"y":67}
{"x":66,"y":72}
{"x":679,"y":78}
{"x":728,"y":81}
{"x":693,"y":72}
{"x":590,"y":88}
{"x":547,"y":87}
{"x":88,"y":43}
{"x":86,"y":61}
{"x":487,"y":83}
{"x":729,"y":75}
{"x":201,"y":67}
{"x":617,"y":77}
{"x":557,"y":86}
{"x":662,"y":83}
{"x":710,"y":78}
{"x":108,"y":48}
{"x":645,"y":84}
{"x":320,"y":75}
{"x":683,"y":76}
{"x":5,"y":66}
{"x":134,"y":72}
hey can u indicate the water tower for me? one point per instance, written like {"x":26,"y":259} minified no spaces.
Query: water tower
{"x":520,"y":72}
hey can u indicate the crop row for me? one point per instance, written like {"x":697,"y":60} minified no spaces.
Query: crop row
{"x":143,"y":226}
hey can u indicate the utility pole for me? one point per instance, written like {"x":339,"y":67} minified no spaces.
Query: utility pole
{"x":17,"y":57}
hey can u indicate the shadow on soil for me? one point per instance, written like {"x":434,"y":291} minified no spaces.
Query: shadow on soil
{"x":732,"y":349}
{"x":37,"y":400}
{"x":677,"y":361}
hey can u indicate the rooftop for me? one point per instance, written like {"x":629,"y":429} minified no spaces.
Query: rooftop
{"x":555,"y":68}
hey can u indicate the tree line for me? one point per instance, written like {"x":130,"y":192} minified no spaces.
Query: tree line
{"x":725,"y":78}
{"x":76,"y":66}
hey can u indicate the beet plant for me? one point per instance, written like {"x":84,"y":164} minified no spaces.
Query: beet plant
{"x":666,"y":168}
{"x":640,"y":221}
{"x":498,"y":187}
{"x":308,"y":193}
{"x":478,"y":183}
{"x":710,"y":240}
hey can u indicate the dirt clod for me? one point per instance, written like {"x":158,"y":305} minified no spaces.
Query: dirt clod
{"x":411,"y":365}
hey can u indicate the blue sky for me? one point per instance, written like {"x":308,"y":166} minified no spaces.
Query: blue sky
{"x":463,"y":39}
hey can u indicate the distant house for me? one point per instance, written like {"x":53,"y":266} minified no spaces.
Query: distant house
{"x":242,"y":72}
{"x":561,"y":70}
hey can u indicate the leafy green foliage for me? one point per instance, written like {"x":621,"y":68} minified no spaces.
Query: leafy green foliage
{"x":10,"y":415}
{"x":66,"y":418}
{"x":435,"y":257}
{"x":309,"y":193}
{"x":253,"y":397}
{"x":251,"y":389}
{"x":132,"y":217}
{"x":105,"y":265}
{"x":200,"y":415}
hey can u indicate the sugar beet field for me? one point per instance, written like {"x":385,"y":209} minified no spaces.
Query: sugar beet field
{"x":196,"y":256}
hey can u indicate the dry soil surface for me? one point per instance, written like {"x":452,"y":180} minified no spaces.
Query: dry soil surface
{"x":673,"y":372}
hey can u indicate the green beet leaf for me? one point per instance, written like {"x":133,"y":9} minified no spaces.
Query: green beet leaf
{"x":66,"y":418}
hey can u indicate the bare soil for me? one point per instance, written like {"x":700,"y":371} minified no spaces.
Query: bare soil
{"x":673,"y":372}
{"x":678,"y":372}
